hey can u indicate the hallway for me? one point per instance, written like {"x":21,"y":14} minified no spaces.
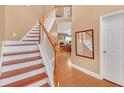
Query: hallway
{"x":70,"y":77}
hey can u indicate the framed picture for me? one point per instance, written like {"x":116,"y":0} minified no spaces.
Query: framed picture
{"x":84,"y":43}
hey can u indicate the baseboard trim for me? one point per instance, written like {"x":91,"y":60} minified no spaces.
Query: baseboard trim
{"x":93,"y":74}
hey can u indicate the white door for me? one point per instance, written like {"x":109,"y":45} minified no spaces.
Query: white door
{"x":112,"y":47}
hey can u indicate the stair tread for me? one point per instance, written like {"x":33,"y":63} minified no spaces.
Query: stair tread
{"x":21,"y":52}
{"x":45,"y":85}
{"x":20,"y":45}
{"x":34,"y":33}
{"x":36,"y":30}
{"x":20,"y":71}
{"x":27,"y":81}
{"x":20,"y":60}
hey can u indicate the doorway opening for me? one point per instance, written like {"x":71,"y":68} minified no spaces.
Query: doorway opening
{"x":64,"y":36}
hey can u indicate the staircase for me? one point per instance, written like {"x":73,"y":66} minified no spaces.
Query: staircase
{"x":23,"y":66}
{"x":33,"y":36}
{"x":31,"y":61}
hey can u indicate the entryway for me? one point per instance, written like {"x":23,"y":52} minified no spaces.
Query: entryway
{"x":112,"y":47}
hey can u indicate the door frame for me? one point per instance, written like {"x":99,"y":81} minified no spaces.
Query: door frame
{"x":101,"y":40}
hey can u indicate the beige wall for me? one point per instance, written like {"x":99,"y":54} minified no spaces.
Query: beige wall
{"x":19,"y":19}
{"x":87,"y":17}
{"x":1,"y":25}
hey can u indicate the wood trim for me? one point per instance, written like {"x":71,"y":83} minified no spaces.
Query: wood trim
{"x":27,"y":81}
{"x":34,"y":33}
{"x":35,"y":30}
{"x":20,"y":53}
{"x":19,"y":45}
{"x":89,"y":34}
{"x":88,"y":72}
{"x":47,"y":34}
{"x":56,"y":71}
{"x":41,"y":22}
{"x":20,"y":71}
{"x":92,"y":43}
{"x":112,"y":82}
{"x":5,"y":63}
{"x":45,"y":85}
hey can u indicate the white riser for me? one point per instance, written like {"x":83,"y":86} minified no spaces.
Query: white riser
{"x":34,"y":42}
{"x":33,"y":30}
{"x":36,"y":28}
{"x":31,"y":38}
{"x":33,"y":35}
{"x":15,"y":42}
{"x":21,"y":65}
{"x":9,"y":49}
{"x":20,"y":76}
{"x":39,"y":83}
{"x":15,"y":57}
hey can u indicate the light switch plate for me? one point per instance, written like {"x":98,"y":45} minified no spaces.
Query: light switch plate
{"x":14,"y":34}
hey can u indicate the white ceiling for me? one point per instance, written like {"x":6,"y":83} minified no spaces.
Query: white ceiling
{"x":64,"y":27}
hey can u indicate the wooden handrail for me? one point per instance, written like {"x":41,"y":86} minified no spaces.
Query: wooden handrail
{"x":46,"y":32}
{"x":41,"y":22}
